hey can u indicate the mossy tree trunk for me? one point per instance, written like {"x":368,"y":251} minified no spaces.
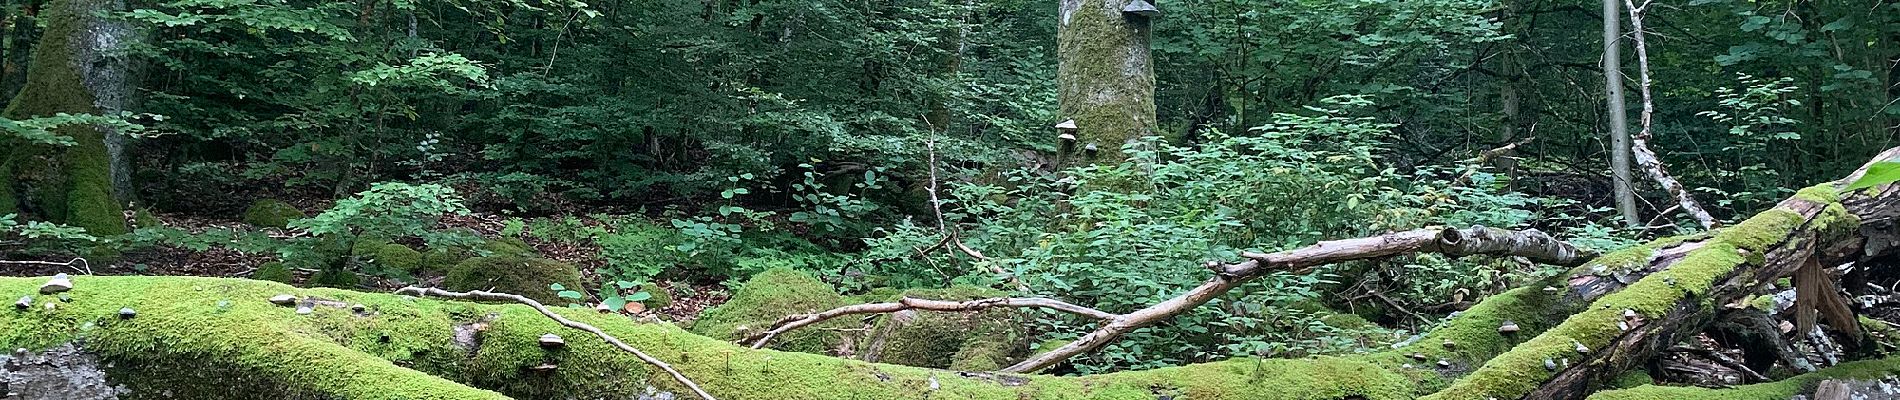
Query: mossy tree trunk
{"x":78,"y":67}
{"x":1105,"y":76}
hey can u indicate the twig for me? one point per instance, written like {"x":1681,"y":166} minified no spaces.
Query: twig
{"x":68,"y":264}
{"x":910,"y":303}
{"x":1639,"y":144}
{"x":483,"y":295}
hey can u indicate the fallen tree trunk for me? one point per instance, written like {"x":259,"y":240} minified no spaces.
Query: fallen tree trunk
{"x":221,"y":338}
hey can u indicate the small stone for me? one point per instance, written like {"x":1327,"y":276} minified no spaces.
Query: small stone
{"x":603,"y":308}
{"x":127,"y":313}
{"x":1449,"y":345}
{"x":19,"y":353}
{"x":359,"y":308}
{"x":1508,"y":327}
{"x":552,"y":341}
{"x":1629,"y":314}
{"x":543,"y":368}
{"x":1550,"y":364}
{"x":1418,"y":356}
{"x":1443,"y":363}
{"x":50,"y":306}
{"x":1622,"y":325}
{"x":305,"y":309}
{"x":283,"y":300}
{"x":1552,"y":289}
{"x":1581,"y":349}
{"x":24,"y":303}
{"x":59,"y":284}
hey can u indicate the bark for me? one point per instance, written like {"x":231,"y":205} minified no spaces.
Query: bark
{"x":78,"y":67}
{"x":1621,"y":178}
{"x":1639,"y":144}
{"x":1104,"y":75}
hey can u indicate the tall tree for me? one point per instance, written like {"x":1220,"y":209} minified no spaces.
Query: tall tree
{"x":1618,"y":115}
{"x":1105,"y":73}
{"x":79,"y":67}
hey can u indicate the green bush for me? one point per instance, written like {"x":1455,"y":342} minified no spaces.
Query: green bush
{"x":271,"y":213}
{"x":272,"y":271}
{"x":765,"y":299}
{"x":526,"y":276}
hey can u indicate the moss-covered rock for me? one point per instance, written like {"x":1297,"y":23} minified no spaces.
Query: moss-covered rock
{"x":508,"y":247}
{"x":336,"y":278}
{"x":399,"y":257}
{"x":974,"y":340}
{"x":661,"y":297}
{"x":441,"y":260}
{"x":274,"y":271}
{"x":526,"y":276}
{"x":765,"y":299}
{"x":271,"y":213}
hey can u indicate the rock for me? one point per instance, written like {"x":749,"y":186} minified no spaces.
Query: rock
{"x":59,"y":284}
{"x":1508,"y":327}
{"x":1629,"y":314}
{"x":1443,"y":363}
{"x":359,"y":308}
{"x":552,"y":341}
{"x":283,"y":300}
{"x":1581,"y":349}
{"x":127,"y":313}
{"x":1449,"y":345}
{"x":24,"y":303}
{"x":271,"y":213}
{"x":306,"y":309}
{"x":526,"y":276}
{"x":772,"y":295}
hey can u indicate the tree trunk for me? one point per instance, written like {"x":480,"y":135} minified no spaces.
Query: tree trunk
{"x":1621,"y":177}
{"x":78,"y":67}
{"x":1105,"y":76}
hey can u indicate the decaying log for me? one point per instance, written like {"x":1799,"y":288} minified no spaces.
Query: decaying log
{"x":1639,"y":143}
{"x":1629,"y":327}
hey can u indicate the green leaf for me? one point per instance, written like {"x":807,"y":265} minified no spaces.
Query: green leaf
{"x":556,"y":286}
{"x":569,"y":294}
{"x":1880,"y":173}
{"x":626,"y":284}
{"x":640,"y":296}
{"x":615,"y":303}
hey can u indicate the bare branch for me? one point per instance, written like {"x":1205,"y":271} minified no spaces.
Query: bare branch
{"x":483,"y":295}
{"x":910,"y":303}
{"x":1639,"y":144}
{"x":1531,"y":244}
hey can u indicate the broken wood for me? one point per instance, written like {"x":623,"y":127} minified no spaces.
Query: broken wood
{"x":1639,"y":143}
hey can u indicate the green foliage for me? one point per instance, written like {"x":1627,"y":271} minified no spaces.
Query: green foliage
{"x":1880,"y":173}
{"x":271,"y":213}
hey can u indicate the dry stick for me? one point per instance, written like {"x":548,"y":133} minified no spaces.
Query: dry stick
{"x":1639,"y":145}
{"x":484,"y":295}
{"x":910,"y":303}
{"x":67,"y":264}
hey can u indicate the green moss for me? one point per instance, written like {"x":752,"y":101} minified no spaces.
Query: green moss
{"x":508,"y":247}
{"x":1346,"y":321}
{"x":1778,"y":390}
{"x":399,"y":257}
{"x":525,"y":276}
{"x":1106,"y":78}
{"x":274,"y":271}
{"x":943,"y":340}
{"x":336,"y":278}
{"x":271,"y":213}
{"x":145,"y":219}
{"x":661,"y":297}
{"x":441,"y":260}
{"x":1633,"y":378}
{"x":766,"y":298}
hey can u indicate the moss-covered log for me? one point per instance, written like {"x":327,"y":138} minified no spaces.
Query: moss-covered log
{"x":1777,"y":390}
{"x":1620,"y":331}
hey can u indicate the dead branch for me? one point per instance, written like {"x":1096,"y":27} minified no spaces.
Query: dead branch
{"x":68,"y":264}
{"x":910,"y":303}
{"x":1531,"y":244}
{"x":1639,"y":144}
{"x":484,"y":295}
